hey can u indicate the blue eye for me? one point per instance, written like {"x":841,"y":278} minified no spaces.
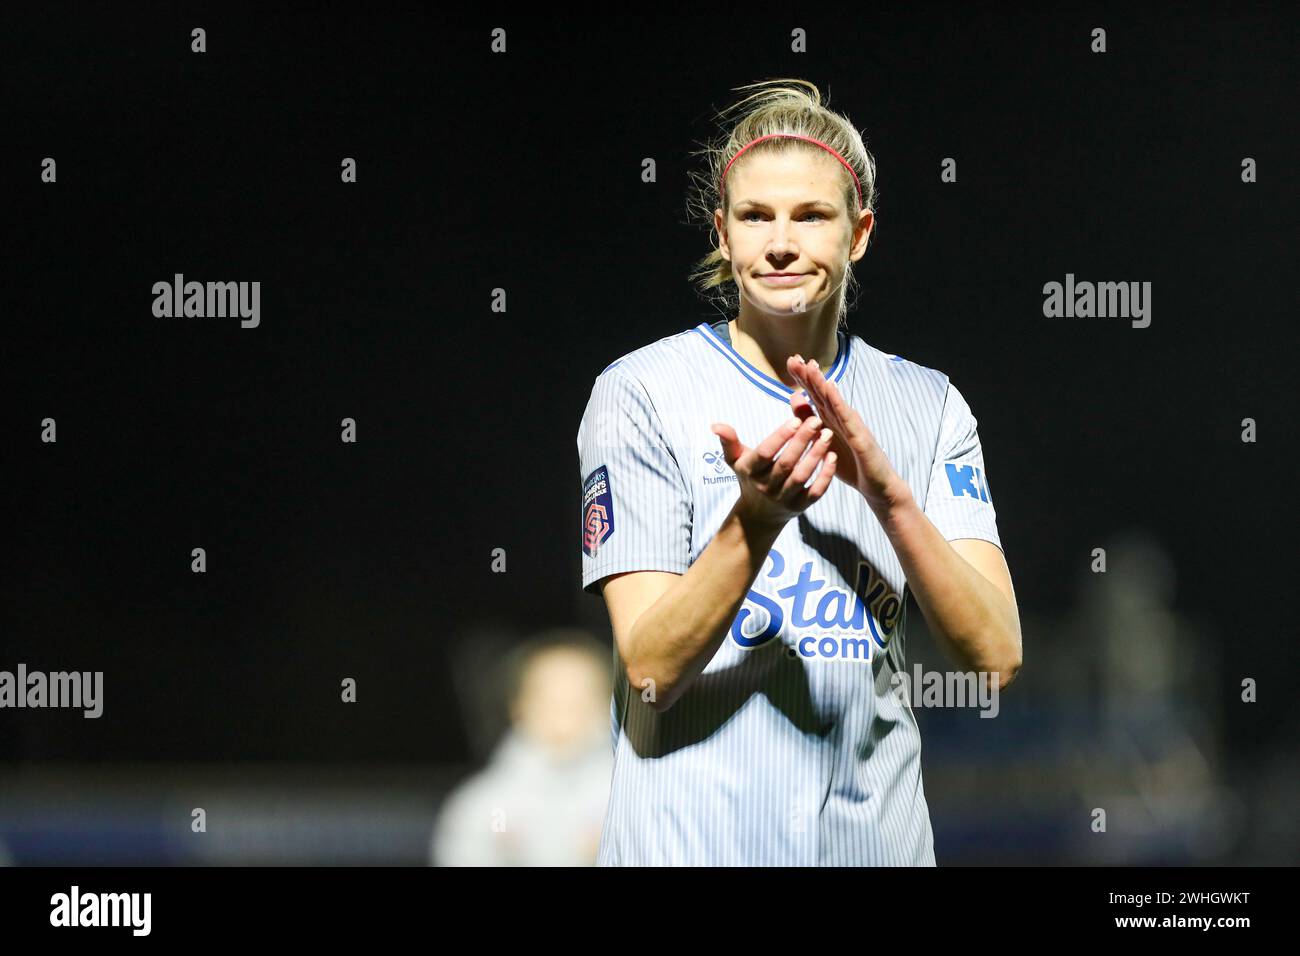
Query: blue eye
{"x":745,"y":216}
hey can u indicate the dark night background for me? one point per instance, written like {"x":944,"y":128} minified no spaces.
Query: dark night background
{"x":523,"y":171}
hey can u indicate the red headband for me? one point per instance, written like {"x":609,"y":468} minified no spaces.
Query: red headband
{"x":808,"y":139}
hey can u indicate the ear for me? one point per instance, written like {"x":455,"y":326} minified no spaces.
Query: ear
{"x":862,"y":234}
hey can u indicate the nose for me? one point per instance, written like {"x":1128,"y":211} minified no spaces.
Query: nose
{"x":780,"y":244}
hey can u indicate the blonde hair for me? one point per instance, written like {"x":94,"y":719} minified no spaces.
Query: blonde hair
{"x":778,"y":106}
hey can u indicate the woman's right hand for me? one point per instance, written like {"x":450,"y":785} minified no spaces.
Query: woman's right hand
{"x":773,"y":473}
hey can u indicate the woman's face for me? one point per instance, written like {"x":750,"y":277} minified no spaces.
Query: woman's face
{"x":788,"y":215}
{"x":563,"y":701}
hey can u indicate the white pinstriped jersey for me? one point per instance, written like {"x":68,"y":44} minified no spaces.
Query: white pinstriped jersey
{"x":793,"y":746}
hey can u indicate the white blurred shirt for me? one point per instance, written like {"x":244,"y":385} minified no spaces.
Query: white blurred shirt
{"x":527,"y":808}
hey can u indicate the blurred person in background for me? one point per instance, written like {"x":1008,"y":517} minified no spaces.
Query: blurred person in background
{"x":1156,"y":758}
{"x":540,"y":801}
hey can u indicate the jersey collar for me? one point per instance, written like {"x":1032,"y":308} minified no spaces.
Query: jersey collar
{"x":766,"y":383}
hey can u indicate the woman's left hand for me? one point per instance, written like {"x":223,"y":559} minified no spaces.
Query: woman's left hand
{"x":861,"y":461}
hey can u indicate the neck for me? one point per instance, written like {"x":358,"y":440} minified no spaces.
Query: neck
{"x":766,"y":343}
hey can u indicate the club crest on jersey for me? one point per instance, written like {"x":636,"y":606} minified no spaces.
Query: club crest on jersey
{"x":967,"y":481}
{"x":597,"y":511}
{"x":819,"y":622}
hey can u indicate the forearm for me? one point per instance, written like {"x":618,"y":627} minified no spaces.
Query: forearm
{"x":675,"y":638}
{"x":968,"y":614}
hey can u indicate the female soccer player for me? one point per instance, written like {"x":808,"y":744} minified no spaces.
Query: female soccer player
{"x":759,"y":495}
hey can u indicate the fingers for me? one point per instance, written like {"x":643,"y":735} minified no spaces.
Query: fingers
{"x":806,"y":496}
{"x":833,"y":399}
{"x":778,"y":469}
{"x":831,"y":405}
{"x":732,"y":448}
{"x":794,"y":449}
{"x":809,"y":462}
{"x":809,"y":373}
{"x":815,"y":388}
{"x":766,"y":450}
{"x":800,"y":405}
{"x":795,"y":365}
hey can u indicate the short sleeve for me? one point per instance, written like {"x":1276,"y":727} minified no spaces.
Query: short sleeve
{"x":958,"y":501}
{"x":636,"y":507}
